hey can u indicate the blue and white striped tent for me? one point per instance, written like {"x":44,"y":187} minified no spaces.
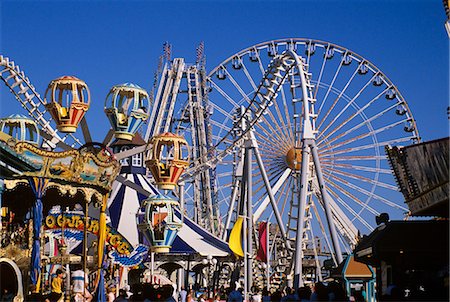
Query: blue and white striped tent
{"x":125,"y":202}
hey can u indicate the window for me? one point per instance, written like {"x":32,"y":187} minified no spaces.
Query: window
{"x":137,"y":160}
{"x":124,"y":161}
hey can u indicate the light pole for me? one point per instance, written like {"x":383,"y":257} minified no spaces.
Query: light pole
{"x":210,"y":261}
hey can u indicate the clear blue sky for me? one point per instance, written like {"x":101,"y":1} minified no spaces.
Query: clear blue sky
{"x":106,"y":43}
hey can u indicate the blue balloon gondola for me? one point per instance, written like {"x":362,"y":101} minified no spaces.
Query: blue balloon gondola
{"x":127,"y":107}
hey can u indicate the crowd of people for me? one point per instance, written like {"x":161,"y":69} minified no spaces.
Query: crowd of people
{"x":332,"y":291}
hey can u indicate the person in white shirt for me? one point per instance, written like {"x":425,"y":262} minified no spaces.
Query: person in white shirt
{"x":183,"y":294}
{"x":79,"y":286}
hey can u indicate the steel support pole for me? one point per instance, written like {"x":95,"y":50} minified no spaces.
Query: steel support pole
{"x":85,"y":245}
{"x":271,"y":197}
{"x":326,"y":203}
{"x":243,"y":208}
{"x":302,"y":197}
{"x":1,"y":192}
{"x":181,"y":192}
{"x":268,"y":256}
{"x":231,"y":209}
{"x":249,"y":228}
{"x":152,"y":266}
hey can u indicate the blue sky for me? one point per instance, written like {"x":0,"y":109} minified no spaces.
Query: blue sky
{"x":111,"y":42}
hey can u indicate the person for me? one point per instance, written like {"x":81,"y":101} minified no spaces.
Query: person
{"x":256,"y":294}
{"x":265,"y":295}
{"x":202,"y":298}
{"x":236,"y":296}
{"x":33,"y":296}
{"x":276,"y":296}
{"x":336,"y":292}
{"x":217,"y":298}
{"x":320,"y":292}
{"x":191,"y":296}
{"x":183,"y":294}
{"x":167,"y":293}
{"x":122,"y":296}
{"x":7,"y":295}
{"x":79,"y":286}
{"x":304,"y":293}
{"x":57,"y":282}
{"x":290,"y":295}
{"x":111,"y":294}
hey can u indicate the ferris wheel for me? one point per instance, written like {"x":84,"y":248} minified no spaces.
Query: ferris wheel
{"x":354,"y":111}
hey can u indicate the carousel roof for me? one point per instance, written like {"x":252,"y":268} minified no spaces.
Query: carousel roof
{"x":125,"y":202}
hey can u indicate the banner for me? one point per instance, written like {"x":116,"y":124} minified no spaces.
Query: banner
{"x":262,"y":238}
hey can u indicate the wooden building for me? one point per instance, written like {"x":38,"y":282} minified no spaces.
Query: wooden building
{"x":412,"y":257}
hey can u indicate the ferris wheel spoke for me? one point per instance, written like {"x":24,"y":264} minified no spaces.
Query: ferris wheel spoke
{"x":249,"y":77}
{"x":361,"y":178}
{"x":349,"y":103}
{"x":284,"y":141}
{"x":238,"y":88}
{"x":322,"y":229}
{"x":337,"y":99}
{"x":368,"y":146}
{"x":272,"y":175}
{"x":225,"y":113}
{"x":272,"y":132}
{"x":369,"y":194}
{"x":224,"y":140}
{"x":217,"y":124}
{"x":340,"y":218}
{"x":308,"y":57}
{"x":260,"y":64}
{"x":363,"y":168}
{"x":357,"y":113}
{"x":353,"y":158}
{"x":356,"y":216}
{"x":255,"y":88}
{"x":322,"y":68}
{"x":285,"y":190}
{"x":224,"y":94}
{"x":341,"y":190}
{"x":330,"y":87}
{"x":365,"y":135}
{"x":279,"y":123}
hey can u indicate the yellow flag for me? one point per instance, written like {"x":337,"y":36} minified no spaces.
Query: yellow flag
{"x":235,"y":240}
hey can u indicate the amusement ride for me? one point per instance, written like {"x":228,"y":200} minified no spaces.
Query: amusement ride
{"x":289,"y":132}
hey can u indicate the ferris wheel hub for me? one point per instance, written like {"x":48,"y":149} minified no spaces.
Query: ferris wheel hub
{"x":294,"y":158}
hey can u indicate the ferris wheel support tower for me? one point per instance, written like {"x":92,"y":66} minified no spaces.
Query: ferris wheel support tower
{"x":305,"y":140}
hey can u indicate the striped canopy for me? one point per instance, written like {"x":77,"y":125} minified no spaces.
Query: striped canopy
{"x":124,"y":203}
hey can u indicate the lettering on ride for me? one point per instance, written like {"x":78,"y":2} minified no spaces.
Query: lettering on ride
{"x":76,"y":222}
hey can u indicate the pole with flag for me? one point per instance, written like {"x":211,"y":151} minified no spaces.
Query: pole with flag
{"x":101,"y":249}
{"x":38,"y":185}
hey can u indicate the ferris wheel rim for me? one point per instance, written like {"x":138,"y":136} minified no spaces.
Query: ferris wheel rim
{"x":354,"y":55}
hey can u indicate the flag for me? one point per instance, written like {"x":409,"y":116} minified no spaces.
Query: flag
{"x":262,"y":238}
{"x":235,"y":240}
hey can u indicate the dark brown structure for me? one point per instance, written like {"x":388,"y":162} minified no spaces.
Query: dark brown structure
{"x":412,"y":257}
